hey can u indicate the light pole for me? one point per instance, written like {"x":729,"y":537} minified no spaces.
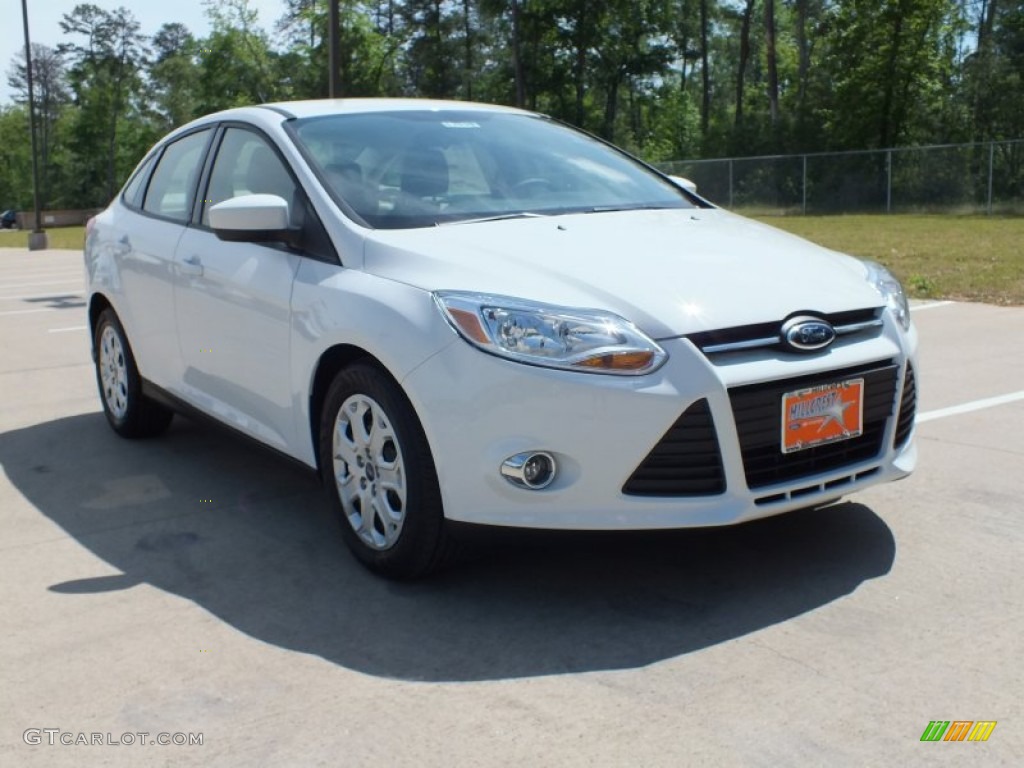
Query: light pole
{"x":37,"y":237}
{"x":333,"y":50}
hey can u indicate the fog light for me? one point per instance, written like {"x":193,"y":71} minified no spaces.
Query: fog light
{"x":533,"y":469}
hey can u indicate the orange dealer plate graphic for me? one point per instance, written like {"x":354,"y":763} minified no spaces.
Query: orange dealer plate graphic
{"x":823,"y":414}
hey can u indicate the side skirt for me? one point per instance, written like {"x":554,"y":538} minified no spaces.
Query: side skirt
{"x":176,"y":404}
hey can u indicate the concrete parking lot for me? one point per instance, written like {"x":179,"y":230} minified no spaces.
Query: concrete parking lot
{"x":195,"y":585}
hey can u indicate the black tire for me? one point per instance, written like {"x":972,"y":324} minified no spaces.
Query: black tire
{"x":422,"y":544}
{"x":130,"y":413}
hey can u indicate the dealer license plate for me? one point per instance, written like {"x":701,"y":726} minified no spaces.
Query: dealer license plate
{"x":821,"y":415}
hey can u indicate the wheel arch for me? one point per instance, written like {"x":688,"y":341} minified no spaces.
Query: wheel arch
{"x":97,"y":303}
{"x":333,"y":360}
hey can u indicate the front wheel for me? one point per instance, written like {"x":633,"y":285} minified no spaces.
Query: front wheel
{"x":129,"y":412}
{"x":379,"y":475}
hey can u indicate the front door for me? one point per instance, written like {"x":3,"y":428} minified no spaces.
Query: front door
{"x":232,"y":302}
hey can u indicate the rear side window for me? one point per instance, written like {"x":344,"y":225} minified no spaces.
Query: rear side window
{"x":170,"y":187}
{"x":137,"y":186}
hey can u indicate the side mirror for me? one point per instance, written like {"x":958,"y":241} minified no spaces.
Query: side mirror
{"x":686,"y":184}
{"x":252,"y":219}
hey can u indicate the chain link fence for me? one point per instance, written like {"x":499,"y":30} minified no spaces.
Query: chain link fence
{"x":951,"y":178}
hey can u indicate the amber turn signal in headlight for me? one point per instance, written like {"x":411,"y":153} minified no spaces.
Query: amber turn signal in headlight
{"x":554,"y":337}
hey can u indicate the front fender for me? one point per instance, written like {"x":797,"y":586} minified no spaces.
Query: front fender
{"x":397,"y":324}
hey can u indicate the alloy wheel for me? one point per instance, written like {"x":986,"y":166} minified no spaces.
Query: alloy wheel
{"x":113,"y":372}
{"x":369,"y":471}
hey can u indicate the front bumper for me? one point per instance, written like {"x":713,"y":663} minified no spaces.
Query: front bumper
{"x":477,"y":410}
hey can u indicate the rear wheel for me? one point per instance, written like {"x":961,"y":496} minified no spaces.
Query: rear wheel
{"x":379,"y":475}
{"x":129,"y":412}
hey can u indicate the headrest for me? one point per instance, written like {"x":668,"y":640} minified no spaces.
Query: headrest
{"x":266,"y":175}
{"x":424,"y":173}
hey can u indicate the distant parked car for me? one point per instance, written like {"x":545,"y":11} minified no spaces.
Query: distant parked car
{"x":465,"y":313}
{"x":9,"y":219}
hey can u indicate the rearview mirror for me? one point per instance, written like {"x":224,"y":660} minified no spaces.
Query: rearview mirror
{"x":252,"y":219}
{"x":686,"y":184}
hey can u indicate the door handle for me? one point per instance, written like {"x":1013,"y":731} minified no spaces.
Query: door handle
{"x":193,"y":265}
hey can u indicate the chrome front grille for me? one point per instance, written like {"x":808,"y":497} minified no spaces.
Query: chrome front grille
{"x":769,"y":335}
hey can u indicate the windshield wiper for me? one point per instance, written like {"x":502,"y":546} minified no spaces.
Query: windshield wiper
{"x":616,"y":208}
{"x":495,"y":217}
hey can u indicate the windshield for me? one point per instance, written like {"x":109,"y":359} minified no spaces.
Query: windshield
{"x":420,"y":168}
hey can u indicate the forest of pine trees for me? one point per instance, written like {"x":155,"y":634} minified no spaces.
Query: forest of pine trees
{"x":668,"y":79}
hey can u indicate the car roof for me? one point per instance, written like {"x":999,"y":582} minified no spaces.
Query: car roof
{"x":259,"y":113}
{"x":320,"y":107}
{"x":323,"y":107}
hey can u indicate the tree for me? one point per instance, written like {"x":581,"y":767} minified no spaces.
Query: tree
{"x":16,"y":159}
{"x":744,"y":60}
{"x":803,"y":45}
{"x":995,"y":72}
{"x":174,"y":75}
{"x":50,"y":93}
{"x":520,"y":42}
{"x":631,"y":48}
{"x":368,"y":53}
{"x":237,"y":66}
{"x":104,"y":77}
{"x":772,"y":59}
{"x":685,"y":30}
{"x":662,"y":77}
{"x":432,"y":49}
{"x":705,"y":70}
{"x":890,"y":66}
{"x":299,"y":20}
{"x":517,"y":59}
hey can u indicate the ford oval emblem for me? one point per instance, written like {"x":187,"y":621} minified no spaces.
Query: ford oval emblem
{"x":807,"y":334}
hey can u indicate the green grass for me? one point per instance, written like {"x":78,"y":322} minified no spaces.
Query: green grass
{"x":68,"y":238}
{"x":973,"y":258}
{"x":72,"y":238}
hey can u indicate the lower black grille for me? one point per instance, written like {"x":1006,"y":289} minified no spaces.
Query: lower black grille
{"x":685,"y":462}
{"x":908,"y":409}
{"x":757,"y":409}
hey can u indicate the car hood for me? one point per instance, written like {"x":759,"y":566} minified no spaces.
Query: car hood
{"x":671,"y":272}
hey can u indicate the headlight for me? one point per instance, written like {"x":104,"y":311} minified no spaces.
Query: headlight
{"x":890,"y":289}
{"x":554,"y":337}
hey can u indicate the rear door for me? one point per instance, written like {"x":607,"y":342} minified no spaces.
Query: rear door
{"x":149,"y":223}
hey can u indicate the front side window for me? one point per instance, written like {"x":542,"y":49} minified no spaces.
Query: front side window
{"x":419,"y":168}
{"x":170,"y":187}
{"x":246,"y":165}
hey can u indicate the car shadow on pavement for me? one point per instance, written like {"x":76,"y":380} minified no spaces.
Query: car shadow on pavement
{"x":247,"y":537}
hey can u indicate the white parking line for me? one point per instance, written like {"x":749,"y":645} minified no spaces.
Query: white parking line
{"x":33,"y":311}
{"x":71,"y":328}
{"x":931,"y":305}
{"x":61,"y":272}
{"x":68,"y":281}
{"x":974,"y":405}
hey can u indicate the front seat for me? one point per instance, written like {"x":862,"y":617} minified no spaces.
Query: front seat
{"x":423,"y":180}
{"x":266,"y":175}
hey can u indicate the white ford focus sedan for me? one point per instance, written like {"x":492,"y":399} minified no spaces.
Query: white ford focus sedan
{"x":459,"y":312}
